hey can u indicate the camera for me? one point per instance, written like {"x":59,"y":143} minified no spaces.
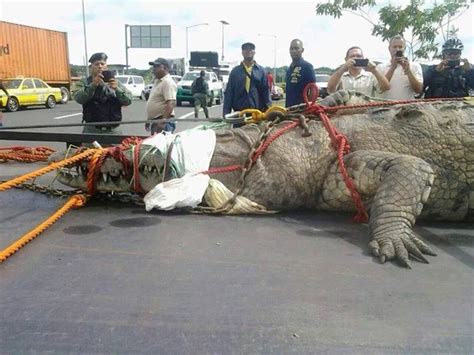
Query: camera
{"x":107,"y":74}
{"x":454,"y":63}
{"x":358,"y":62}
{"x":399,"y":54}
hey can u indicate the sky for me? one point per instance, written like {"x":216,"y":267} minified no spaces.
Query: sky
{"x":271,"y":25}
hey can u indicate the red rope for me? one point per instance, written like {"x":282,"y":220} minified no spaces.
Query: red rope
{"x":341,"y":144}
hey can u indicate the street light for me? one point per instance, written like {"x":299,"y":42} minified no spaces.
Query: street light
{"x":274,"y":52}
{"x":188,"y":27}
{"x":223,"y":24}
{"x":85,"y":37}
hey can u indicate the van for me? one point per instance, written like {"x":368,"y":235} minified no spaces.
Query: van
{"x":134,"y":83}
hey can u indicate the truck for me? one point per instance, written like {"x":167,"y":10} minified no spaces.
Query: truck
{"x":209,"y":62}
{"x":27,"y":51}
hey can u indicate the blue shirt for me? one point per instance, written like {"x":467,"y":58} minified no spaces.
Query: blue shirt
{"x":298,"y":75}
{"x":236,"y":96}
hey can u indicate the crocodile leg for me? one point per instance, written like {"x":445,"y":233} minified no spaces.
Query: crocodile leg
{"x":395,"y":187}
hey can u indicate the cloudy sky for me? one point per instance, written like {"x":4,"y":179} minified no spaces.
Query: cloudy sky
{"x":325,"y":39}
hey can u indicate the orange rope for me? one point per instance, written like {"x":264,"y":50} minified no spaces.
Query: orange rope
{"x":21,"y":179}
{"x":75,"y":201}
{"x":26,"y":154}
{"x":94,"y":169}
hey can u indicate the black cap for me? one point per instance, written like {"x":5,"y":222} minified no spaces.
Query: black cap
{"x":159,"y":61}
{"x":248,"y":45}
{"x":97,"y":56}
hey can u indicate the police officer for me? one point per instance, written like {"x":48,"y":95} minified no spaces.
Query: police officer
{"x":453,"y":77}
{"x":101,"y":97}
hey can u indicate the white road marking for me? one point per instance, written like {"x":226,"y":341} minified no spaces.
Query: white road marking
{"x":192,"y":112}
{"x":61,"y":117}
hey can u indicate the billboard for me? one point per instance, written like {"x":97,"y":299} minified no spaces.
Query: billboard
{"x":150,"y":36}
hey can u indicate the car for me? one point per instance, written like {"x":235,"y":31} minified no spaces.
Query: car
{"x":24,"y":92}
{"x":184,"y":88}
{"x":322,"y":82}
{"x":146,"y":91}
{"x":277,"y":93}
{"x":134,"y":83}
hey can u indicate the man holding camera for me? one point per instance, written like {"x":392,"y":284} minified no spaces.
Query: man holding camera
{"x":358,"y":74}
{"x":101,"y":97}
{"x":405,"y":77}
{"x":452,"y":77}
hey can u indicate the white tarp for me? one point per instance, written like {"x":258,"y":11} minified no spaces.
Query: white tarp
{"x":191,"y":154}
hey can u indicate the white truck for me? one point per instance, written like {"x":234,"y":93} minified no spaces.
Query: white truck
{"x":184,"y":88}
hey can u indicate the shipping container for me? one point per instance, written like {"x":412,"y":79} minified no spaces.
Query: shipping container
{"x":35,"y":52}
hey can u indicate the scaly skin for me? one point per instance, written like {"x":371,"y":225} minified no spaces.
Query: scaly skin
{"x":405,"y":161}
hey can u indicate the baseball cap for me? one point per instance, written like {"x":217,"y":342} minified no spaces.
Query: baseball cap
{"x":98,"y":56}
{"x":159,"y":61}
{"x":248,"y":45}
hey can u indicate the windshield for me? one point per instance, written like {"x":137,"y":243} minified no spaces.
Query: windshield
{"x":190,"y":76}
{"x":193,"y":75}
{"x":12,"y":84}
{"x":123,"y":79}
{"x":321,"y":78}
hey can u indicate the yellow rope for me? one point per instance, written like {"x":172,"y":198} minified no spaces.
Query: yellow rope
{"x":75,"y":201}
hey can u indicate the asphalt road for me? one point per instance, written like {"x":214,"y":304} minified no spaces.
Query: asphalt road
{"x":112,"y":278}
{"x":72,"y":113}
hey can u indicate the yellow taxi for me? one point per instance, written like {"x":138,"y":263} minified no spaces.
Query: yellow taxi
{"x":27,"y":92}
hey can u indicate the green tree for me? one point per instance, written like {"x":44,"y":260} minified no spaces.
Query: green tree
{"x":418,"y":24}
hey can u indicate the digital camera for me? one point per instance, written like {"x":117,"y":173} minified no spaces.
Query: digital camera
{"x":361,"y":62}
{"x":454,"y":63}
{"x":399,"y":54}
{"x":107,"y":74}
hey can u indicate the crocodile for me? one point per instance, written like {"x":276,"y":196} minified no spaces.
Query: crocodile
{"x":406,"y":161}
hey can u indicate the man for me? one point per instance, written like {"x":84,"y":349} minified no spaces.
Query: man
{"x":299,"y":74}
{"x":405,"y":77}
{"x":200,"y":91}
{"x":450,"y":78}
{"x":101,"y":100}
{"x":358,"y":74}
{"x":270,"y":82}
{"x":247,"y":86}
{"x":162,"y":100}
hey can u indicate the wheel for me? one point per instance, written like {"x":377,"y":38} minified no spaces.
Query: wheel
{"x":179,"y":103}
{"x":50,"y":102}
{"x":143,"y":96}
{"x":12,"y":104}
{"x":64,"y":95}
{"x":211,"y":99}
{"x":219,"y":99}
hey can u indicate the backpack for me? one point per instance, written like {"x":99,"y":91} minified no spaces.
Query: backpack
{"x":198,"y":86}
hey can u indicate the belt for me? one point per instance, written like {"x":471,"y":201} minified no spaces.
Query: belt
{"x":105,"y":128}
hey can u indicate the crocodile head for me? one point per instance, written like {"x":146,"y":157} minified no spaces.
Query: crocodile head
{"x":115,"y":175}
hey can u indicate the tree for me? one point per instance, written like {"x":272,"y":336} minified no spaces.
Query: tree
{"x":420,"y":26}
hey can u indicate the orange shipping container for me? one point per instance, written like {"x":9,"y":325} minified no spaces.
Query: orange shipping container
{"x":34,"y":52}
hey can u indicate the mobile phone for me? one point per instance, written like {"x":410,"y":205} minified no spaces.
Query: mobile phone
{"x":361,"y":62}
{"x":454,"y":63}
{"x":399,"y":54}
{"x":107,"y":74}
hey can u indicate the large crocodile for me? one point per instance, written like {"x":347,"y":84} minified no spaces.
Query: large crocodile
{"x":406,"y":161}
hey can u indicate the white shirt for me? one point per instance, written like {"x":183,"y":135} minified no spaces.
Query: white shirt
{"x":365,"y":82}
{"x":164,"y":90}
{"x":400,"y":88}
